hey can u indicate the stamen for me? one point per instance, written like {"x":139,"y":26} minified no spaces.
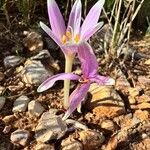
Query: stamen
{"x":77,"y":38}
{"x":64,"y":39}
{"x":68,"y":34}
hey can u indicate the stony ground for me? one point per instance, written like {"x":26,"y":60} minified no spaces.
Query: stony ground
{"x":112,"y":118}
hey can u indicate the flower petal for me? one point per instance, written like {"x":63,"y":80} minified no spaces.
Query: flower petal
{"x":102,"y":80}
{"x":76,"y":97}
{"x":88,"y":60}
{"x":75,"y":17}
{"x":50,"y":81}
{"x":92,"y":17}
{"x":56,"y":19}
{"x":91,"y":31}
{"x":50,"y":33}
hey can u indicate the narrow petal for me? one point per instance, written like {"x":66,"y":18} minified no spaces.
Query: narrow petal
{"x":92,"y":17}
{"x":75,"y":17}
{"x":56,"y":19}
{"x":50,"y":33}
{"x":50,"y":81}
{"x":102,"y":80}
{"x":76,"y":97}
{"x":91,"y":31}
{"x":88,"y":60}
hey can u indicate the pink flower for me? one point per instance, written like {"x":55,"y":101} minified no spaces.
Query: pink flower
{"x":89,"y":75}
{"x":68,"y":38}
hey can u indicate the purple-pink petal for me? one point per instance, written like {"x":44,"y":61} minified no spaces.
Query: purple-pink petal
{"x":50,"y":33}
{"x":92,"y":17}
{"x":88,"y":60}
{"x":76,"y":98}
{"x":50,"y":81}
{"x":56,"y":19}
{"x":102,"y":80}
{"x":91,"y":31}
{"x":75,"y":17}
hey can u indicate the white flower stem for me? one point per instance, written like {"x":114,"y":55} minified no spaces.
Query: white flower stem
{"x":68,"y":69}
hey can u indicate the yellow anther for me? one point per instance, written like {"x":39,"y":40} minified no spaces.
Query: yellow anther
{"x":64,"y":39}
{"x":68,"y":34}
{"x":77,"y":38}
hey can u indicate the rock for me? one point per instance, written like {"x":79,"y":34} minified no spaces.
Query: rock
{"x":21,"y":104}
{"x":142,"y":115}
{"x":2,"y":76}
{"x":20,"y":137}
{"x":142,"y":99}
{"x":71,"y":144}
{"x":91,"y":139}
{"x":33,"y":41}
{"x":105,"y":102}
{"x":132,"y":100}
{"x":108,"y":125}
{"x":12,"y":61}
{"x":41,"y":146}
{"x":2,"y":101}
{"x":2,"y":89}
{"x":144,"y":80}
{"x":9,"y":119}
{"x":43,"y":54}
{"x":134,"y":91}
{"x":49,"y":128}
{"x":147,"y":62}
{"x":35,"y":108}
{"x":34,"y":72}
{"x":141,"y":106}
{"x":7,"y":129}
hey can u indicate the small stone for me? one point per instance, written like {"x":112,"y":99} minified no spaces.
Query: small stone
{"x":142,"y":115}
{"x":134,"y":91}
{"x":12,"y":61}
{"x":21,"y":104}
{"x":143,"y":98}
{"x":132,"y":100}
{"x":41,"y":146}
{"x":105,"y":102}
{"x":50,"y":127}
{"x":35,"y":108}
{"x":2,"y":101}
{"x":20,"y":137}
{"x":108,"y":125}
{"x":144,"y":80}
{"x":34,"y":72}
{"x":7,"y":129}
{"x":9,"y":119}
{"x":33,"y":41}
{"x":147,"y":62}
{"x":91,"y":139}
{"x":2,"y":90}
{"x":2,"y":76}
{"x":71,"y":144}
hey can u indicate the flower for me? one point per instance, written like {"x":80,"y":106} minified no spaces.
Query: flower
{"x":68,"y":38}
{"x":89,"y":75}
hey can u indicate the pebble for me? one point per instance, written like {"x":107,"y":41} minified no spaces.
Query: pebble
{"x":108,"y":125}
{"x":2,"y":101}
{"x":12,"y":61}
{"x":33,"y":41}
{"x":71,"y":144}
{"x":91,"y":139}
{"x":134,"y":92}
{"x":20,"y":137}
{"x":105,"y":102}
{"x":9,"y":119}
{"x":21,"y":104}
{"x":35,"y":108}
{"x":34,"y":72}
{"x":147,"y":62}
{"x":50,"y":127}
{"x":42,"y":146}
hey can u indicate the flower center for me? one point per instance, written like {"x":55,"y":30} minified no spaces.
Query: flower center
{"x":69,"y":37}
{"x":83,"y":80}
